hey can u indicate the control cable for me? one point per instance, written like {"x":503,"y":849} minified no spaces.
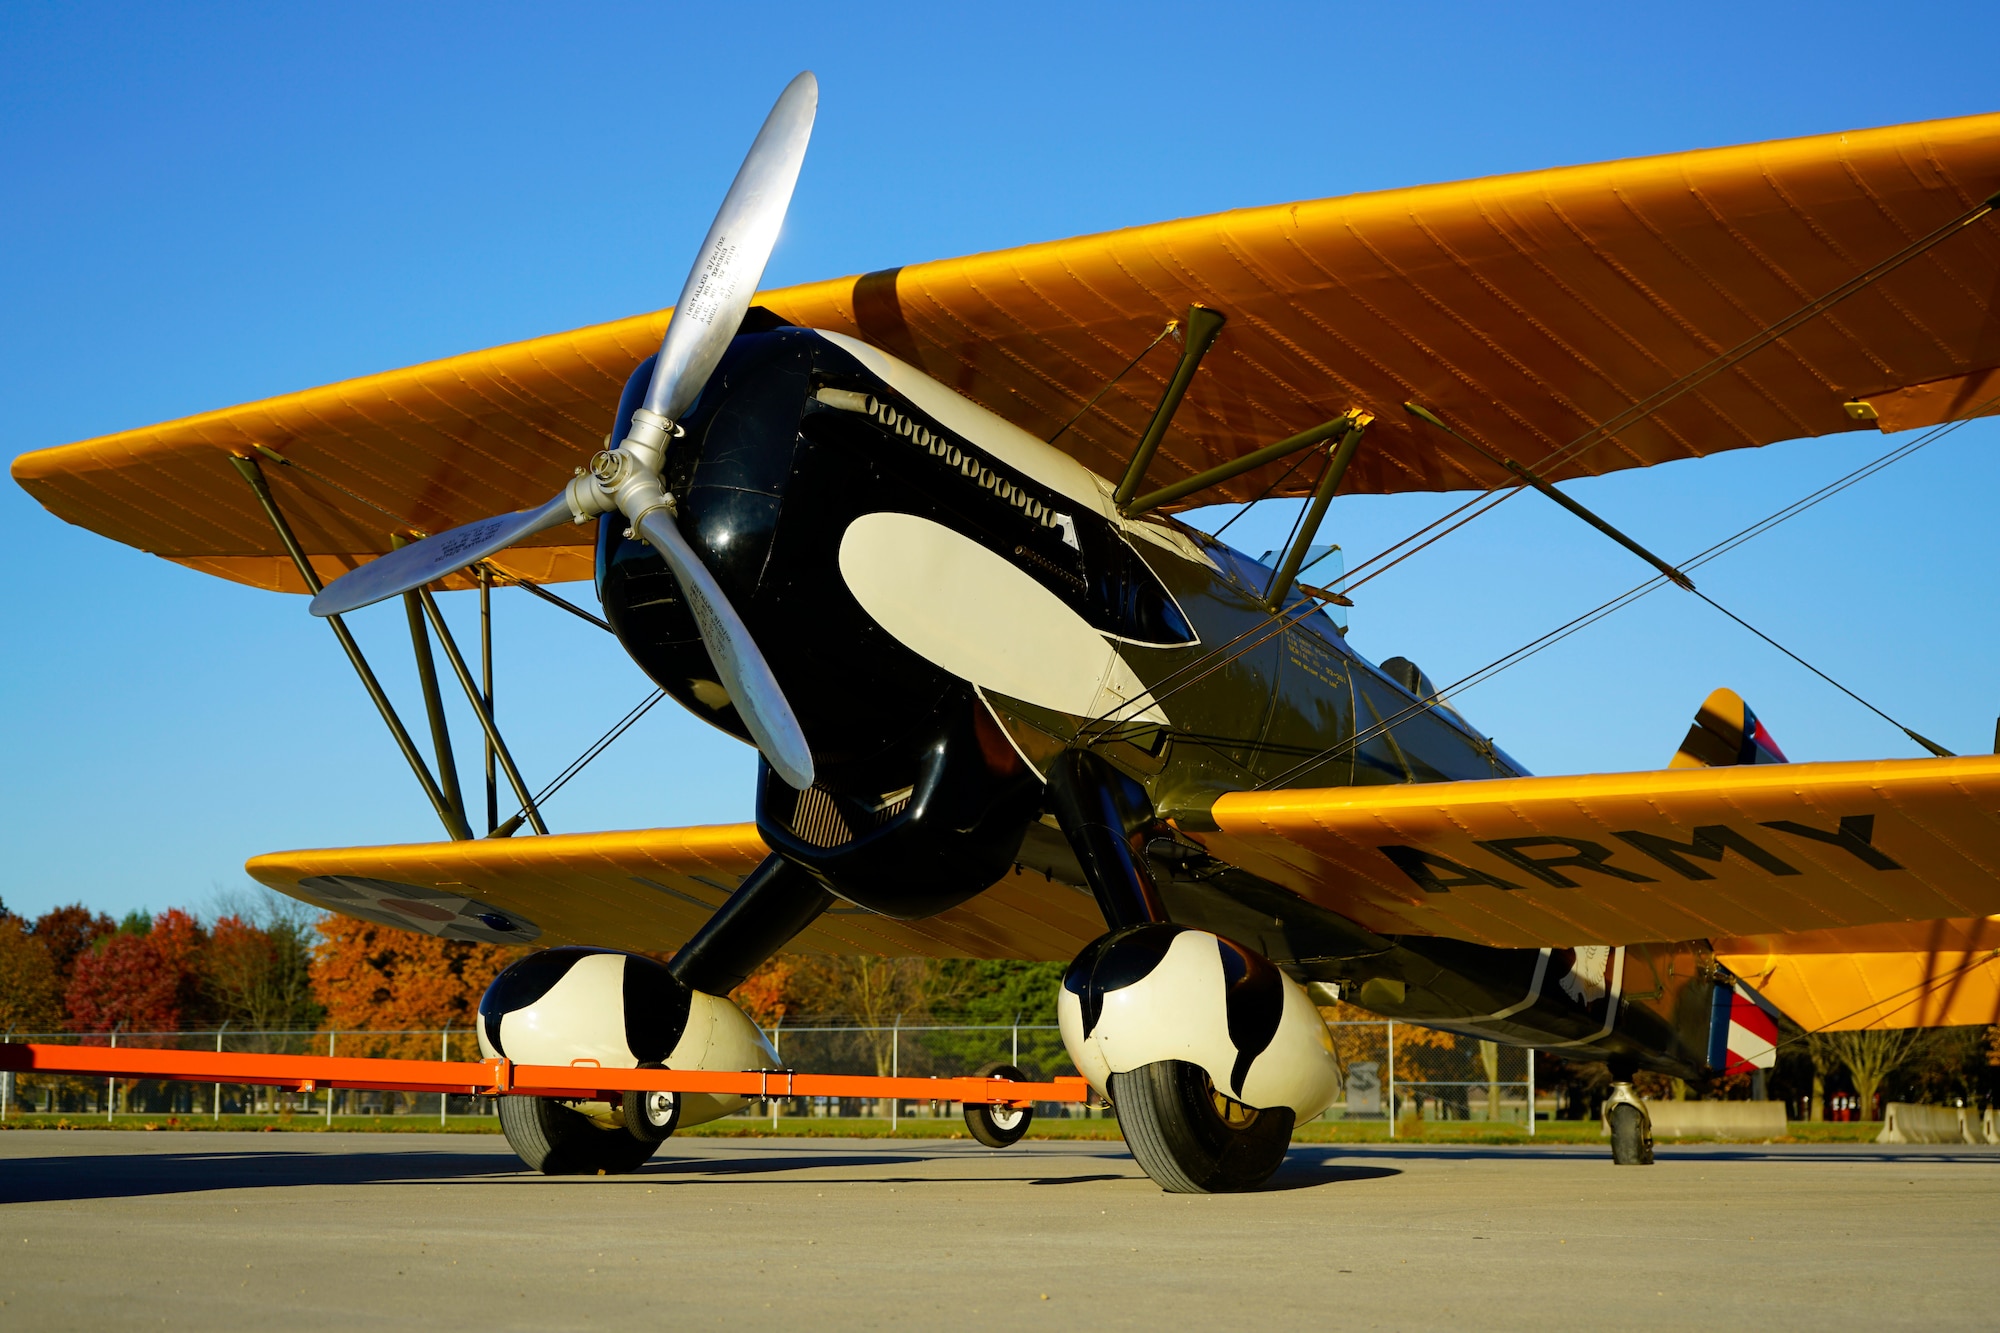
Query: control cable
{"x":1633,"y":594}
{"x":1686,"y":384}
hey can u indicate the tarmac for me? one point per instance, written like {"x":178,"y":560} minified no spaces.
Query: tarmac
{"x":107,"y":1229}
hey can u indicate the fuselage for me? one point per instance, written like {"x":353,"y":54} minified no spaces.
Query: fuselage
{"x":950,"y":603}
{"x":902,"y":554}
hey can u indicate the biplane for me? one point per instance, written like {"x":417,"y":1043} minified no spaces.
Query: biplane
{"x":913,"y":536}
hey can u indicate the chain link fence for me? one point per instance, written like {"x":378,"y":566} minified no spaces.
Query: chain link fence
{"x":1389,"y":1072}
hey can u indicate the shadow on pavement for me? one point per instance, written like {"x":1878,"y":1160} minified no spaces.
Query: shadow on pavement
{"x":122,"y":1176}
{"x":1666,"y":1150}
{"x":134,"y":1175}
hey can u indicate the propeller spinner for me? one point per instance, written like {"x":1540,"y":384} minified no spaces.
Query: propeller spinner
{"x":627,"y":479}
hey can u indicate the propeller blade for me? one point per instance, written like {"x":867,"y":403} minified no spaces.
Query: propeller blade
{"x":745,"y":674}
{"x":732,"y":258}
{"x":434,"y":557}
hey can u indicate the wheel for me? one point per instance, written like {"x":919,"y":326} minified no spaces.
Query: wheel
{"x":1631,"y":1145}
{"x":651,"y":1117}
{"x":999,"y":1126}
{"x":559,"y":1140}
{"x":1190,"y":1137}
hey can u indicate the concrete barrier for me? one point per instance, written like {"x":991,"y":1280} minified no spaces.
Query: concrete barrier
{"x":1913,"y":1122}
{"x":1716,"y":1120}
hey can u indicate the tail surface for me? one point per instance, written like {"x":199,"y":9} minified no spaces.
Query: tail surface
{"x":1726,"y":732}
{"x":1742,"y":1030}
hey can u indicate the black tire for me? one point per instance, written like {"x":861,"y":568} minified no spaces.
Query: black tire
{"x":651,"y":1117}
{"x":1631,"y":1145}
{"x":996,"y":1126}
{"x":1192,"y":1139}
{"x":557,"y":1140}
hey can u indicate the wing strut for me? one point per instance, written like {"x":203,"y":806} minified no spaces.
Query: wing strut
{"x":478,"y":702}
{"x":1203,"y":325}
{"x":427,"y":677}
{"x":454,"y":822}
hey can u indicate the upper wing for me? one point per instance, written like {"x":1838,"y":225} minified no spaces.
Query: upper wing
{"x":1524,"y":309}
{"x":650,"y":890}
{"x":1628,"y":858}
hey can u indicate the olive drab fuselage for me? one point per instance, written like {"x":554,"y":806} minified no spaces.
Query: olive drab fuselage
{"x":930,"y":787}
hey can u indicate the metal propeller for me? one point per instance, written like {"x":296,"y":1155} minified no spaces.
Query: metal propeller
{"x":627,"y":479}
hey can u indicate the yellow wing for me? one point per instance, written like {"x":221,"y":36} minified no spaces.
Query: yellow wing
{"x":1915,"y":975}
{"x":648,"y":890}
{"x":1525,"y":309}
{"x":1628,"y":858}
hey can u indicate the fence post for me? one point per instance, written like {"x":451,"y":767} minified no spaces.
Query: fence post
{"x":218,"y":1050}
{"x":895,"y":1068}
{"x":1014,"y":1055}
{"x":444,"y":1055}
{"x":1531,"y":1092}
{"x":1392,"y":1078}
{"x":7,"y":1091}
{"x":329,"y":1090}
{"x":111,"y":1084}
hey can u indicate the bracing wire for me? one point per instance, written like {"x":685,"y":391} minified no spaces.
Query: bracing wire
{"x":1624,"y":599}
{"x":596,"y":748}
{"x":1670,"y":393}
{"x":1172,"y":324}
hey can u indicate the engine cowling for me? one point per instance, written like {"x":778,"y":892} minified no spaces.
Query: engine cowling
{"x":618,"y":1010}
{"x":1157,"y":992}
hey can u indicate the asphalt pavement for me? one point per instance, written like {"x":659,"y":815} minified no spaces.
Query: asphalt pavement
{"x":354,"y":1231}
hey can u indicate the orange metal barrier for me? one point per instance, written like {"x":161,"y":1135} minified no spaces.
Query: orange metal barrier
{"x":489,"y":1078}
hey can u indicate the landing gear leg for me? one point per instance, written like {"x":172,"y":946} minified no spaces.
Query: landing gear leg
{"x":775,"y":903}
{"x":1105,"y":815}
{"x":1625,"y":1117}
{"x":1147,"y":984}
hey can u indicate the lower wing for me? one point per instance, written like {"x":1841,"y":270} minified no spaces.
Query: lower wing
{"x":647,"y":890}
{"x":1850,"y":894}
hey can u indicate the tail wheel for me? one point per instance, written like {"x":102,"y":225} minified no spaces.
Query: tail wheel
{"x":1631,"y":1145}
{"x":559,"y":1140}
{"x":999,"y":1126}
{"x":651,"y":1117}
{"x":1191,"y":1137}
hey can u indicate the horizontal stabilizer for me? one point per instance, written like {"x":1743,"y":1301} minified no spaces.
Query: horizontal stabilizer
{"x":1916,"y":974}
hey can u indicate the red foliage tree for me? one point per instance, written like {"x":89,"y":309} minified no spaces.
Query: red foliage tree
{"x":766,"y":994}
{"x":139,"y":983}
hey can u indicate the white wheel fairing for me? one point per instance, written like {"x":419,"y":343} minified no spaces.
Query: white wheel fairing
{"x":588,"y":1006}
{"x":1178,"y":1003}
{"x":970,"y":611}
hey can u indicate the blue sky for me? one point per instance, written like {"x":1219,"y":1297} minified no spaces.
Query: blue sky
{"x":203,"y":205}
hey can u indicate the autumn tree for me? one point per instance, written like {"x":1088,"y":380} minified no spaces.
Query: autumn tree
{"x":873,"y":993}
{"x":766,"y":995}
{"x":257,"y":970}
{"x":31,"y":993}
{"x":376,"y":978}
{"x":135,"y":982}
{"x":67,"y":933}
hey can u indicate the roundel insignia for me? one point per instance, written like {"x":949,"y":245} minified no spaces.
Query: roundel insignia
{"x":432,"y":911}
